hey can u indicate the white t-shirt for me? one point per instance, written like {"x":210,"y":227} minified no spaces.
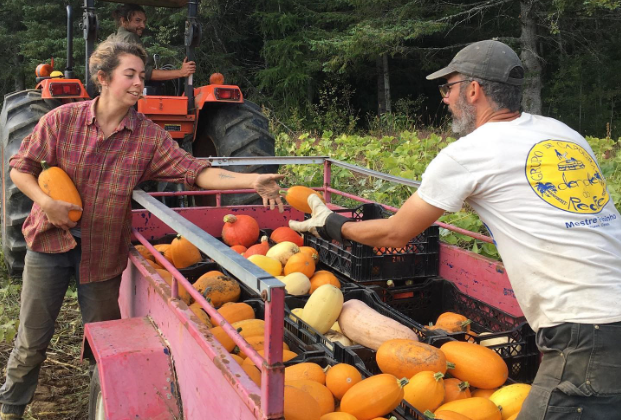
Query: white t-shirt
{"x":536,"y":185}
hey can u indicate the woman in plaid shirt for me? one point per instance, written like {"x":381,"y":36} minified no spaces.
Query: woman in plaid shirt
{"x":107,"y":148}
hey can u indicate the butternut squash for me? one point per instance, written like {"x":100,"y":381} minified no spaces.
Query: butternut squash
{"x":375,"y":396}
{"x":480,"y":366}
{"x":366,"y":326}
{"x":282,"y":251}
{"x":323,"y":308}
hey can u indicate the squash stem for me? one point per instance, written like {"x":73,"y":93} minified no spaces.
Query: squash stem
{"x":44,"y":165}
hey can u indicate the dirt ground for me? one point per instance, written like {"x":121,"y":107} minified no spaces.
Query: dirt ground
{"x":63,"y":383}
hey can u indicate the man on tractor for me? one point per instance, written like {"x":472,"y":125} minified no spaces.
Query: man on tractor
{"x":131,"y":21}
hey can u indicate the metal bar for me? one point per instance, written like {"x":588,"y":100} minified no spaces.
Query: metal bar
{"x":272,"y":371}
{"x":376,"y":174}
{"x":265,"y":160}
{"x":247,"y":272}
{"x":327,"y":177}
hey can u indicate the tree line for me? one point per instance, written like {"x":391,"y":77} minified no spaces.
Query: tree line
{"x":339,"y":64}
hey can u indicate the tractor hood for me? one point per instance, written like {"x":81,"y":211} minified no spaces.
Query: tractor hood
{"x":157,"y":3}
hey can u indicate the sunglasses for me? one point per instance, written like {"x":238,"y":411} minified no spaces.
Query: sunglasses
{"x":445,"y":89}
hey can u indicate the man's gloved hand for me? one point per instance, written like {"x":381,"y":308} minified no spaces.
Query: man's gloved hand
{"x":324,"y":223}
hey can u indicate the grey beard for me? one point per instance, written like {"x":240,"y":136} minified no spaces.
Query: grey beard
{"x":466,"y":123}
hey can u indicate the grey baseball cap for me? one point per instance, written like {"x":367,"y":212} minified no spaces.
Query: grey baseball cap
{"x":488,"y":60}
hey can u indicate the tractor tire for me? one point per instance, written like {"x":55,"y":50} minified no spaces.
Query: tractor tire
{"x":96,"y":410}
{"x":234,"y":130}
{"x":20,"y":113}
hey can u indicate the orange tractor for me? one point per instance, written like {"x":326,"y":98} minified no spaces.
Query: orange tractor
{"x":212,"y":120}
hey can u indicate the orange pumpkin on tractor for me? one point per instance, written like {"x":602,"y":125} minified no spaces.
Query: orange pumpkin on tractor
{"x":211,"y":120}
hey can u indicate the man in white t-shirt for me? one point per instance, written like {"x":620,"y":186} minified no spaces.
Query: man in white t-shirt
{"x":538,"y":188}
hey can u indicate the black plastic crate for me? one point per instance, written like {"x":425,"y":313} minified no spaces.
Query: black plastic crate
{"x":311,"y":336}
{"x":362,"y":263}
{"x":424,"y":303}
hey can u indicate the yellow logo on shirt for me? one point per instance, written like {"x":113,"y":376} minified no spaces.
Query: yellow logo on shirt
{"x":565,"y":176}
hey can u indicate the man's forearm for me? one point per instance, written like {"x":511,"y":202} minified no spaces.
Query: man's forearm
{"x":221,"y":179}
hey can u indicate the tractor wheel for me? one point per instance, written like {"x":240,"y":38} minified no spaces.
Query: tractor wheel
{"x":234,"y":130}
{"x":96,"y":409}
{"x":20,"y":113}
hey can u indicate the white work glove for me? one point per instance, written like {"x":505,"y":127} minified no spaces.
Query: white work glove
{"x":324,"y":223}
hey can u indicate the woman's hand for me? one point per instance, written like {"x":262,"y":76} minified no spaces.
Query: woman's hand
{"x":58,"y":213}
{"x":269,"y":190}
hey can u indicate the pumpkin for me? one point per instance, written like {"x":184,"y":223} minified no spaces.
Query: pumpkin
{"x":240,"y":230}
{"x":322,"y":277}
{"x":270,"y":265}
{"x":307,"y":370}
{"x":184,"y":295}
{"x":240,"y":249}
{"x":164,"y":250}
{"x":319,"y":392}
{"x":300,"y":263}
{"x":56,"y":183}
{"x":183,"y":252}
{"x":216,"y":79}
{"x":310,"y":251}
{"x":337,"y":416}
{"x":283,"y":251}
{"x":480,"y":366}
{"x":300,"y":405}
{"x":296,"y":284}
{"x":425,"y":390}
{"x":366,"y":326}
{"x":323,"y":308}
{"x":340,"y":378}
{"x":253,"y":372}
{"x":144,"y":252}
{"x":297,"y":197}
{"x":510,"y":399}
{"x":261,"y":248}
{"x":456,"y":389}
{"x":404,"y":357}
{"x":234,"y":312}
{"x":218,"y":289}
{"x":286,"y":234}
{"x":475,"y":408}
{"x":286,"y":356}
{"x":201,"y":314}
{"x":375,"y":396}
{"x":257,"y":342}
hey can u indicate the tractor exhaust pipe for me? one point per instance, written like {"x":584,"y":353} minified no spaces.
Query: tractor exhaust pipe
{"x":69,"y":68}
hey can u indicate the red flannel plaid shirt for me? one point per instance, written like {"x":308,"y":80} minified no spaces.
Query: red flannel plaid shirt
{"x":105,"y":171}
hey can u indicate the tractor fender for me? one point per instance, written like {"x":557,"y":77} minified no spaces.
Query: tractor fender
{"x":135,"y":372}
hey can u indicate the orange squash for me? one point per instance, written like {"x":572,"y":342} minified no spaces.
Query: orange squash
{"x":258,"y":249}
{"x":144,"y":252}
{"x":155,"y":265}
{"x":238,"y":359}
{"x":319,"y":392}
{"x":250,"y":327}
{"x":286,"y":356}
{"x":475,"y":408}
{"x":456,"y":389}
{"x":307,"y":370}
{"x":286,"y":234}
{"x":184,"y":295}
{"x":310,"y":251}
{"x":425,"y":390}
{"x":56,"y":183}
{"x":322,"y":277}
{"x":253,"y":372}
{"x":405,"y":358}
{"x":300,"y":263}
{"x":218,"y":289}
{"x":483,"y":393}
{"x":337,"y":416}
{"x":297,"y":197}
{"x":183,"y":252}
{"x":240,"y":229}
{"x":300,"y":405}
{"x":234,"y":312}
{"x":224,"y":339}
{"x":480,"y":366}
{"x":452,"y":322}
{"x":374,"y":396}
{"x":340,"y":378}
{"x":240,"y":249}
{"x":446,"y":415}
{"x":258,"y":343}
{"x":201,"y":314}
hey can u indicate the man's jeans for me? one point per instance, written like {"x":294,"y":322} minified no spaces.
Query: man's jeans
{"x":46,"y":278}
{"x":580,"y":374}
